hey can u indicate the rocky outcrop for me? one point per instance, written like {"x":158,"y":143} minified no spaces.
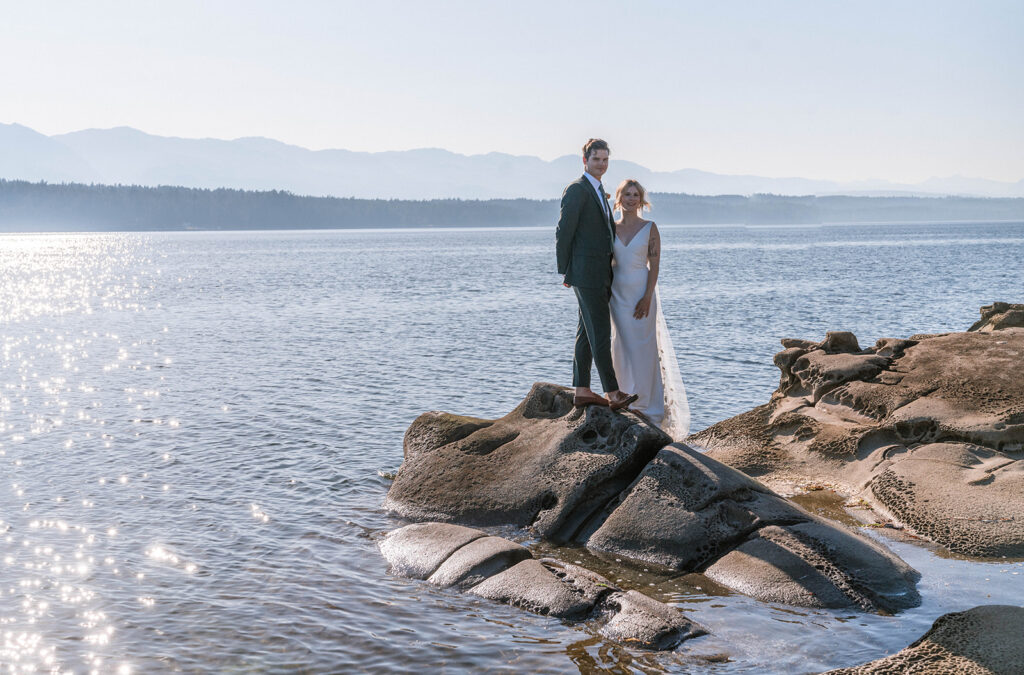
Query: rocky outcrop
{"x":929,"y":430}
{"x":608,"y":481}
{"x":691,"y":513}
{"x":500,"y":570}
{"x":985,"y":640}
{"x":546,"y":464}
{"x":999,"y":315}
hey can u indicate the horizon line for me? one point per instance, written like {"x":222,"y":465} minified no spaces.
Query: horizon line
{"x":508,"y":154}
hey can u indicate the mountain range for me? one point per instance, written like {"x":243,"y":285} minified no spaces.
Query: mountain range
{"x":127,"y":156}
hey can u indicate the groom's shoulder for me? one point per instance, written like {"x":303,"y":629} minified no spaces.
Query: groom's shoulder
{"x":574,"y":186}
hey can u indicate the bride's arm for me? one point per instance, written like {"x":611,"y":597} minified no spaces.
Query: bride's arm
{"x":643,"y":307}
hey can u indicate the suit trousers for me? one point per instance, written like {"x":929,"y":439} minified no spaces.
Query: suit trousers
{"x":594,"y":338}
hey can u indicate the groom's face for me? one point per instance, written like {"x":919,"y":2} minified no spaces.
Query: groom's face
{"x":597,"y":163}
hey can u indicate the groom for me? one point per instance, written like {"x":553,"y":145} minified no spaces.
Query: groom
{"x":583,"y":243}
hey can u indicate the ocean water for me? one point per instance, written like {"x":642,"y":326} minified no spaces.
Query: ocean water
{"x":196,"y":428}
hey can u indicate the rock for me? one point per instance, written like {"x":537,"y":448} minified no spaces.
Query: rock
{"x":478,"y":560}
{"x":815,"y":564}
{"x":503,"y":571}
{"x":546,"y":464}
{"x":686,"y":509}
{"x":418,"y":550}
{"x":985,"y":640}
{"x":566,"y":592}
{"x":929,"y":430}
{"x":965,"y":496}
{"x":689,"y":512}
{"x":640,"y":621}
{"x":999,"y":315}
{"x":609,"y":481}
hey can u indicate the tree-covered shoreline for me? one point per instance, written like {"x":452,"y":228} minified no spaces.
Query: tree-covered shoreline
{"x":53,"y":207}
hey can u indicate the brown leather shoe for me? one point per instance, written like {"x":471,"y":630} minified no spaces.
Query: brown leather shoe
{"x":623,"y":402}
{"x":586,"y":399}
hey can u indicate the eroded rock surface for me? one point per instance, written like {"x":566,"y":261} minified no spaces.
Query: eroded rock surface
{"x":985,"y":640}
{"x":929,"y":430}
{"x":545,"y":465}
{"x":609,"y":481}
{"x":692,"y":513}
{"x":1000,"y":315}
{"x":503,"y":571}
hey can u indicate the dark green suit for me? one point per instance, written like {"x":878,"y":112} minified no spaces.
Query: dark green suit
{"x":583,"y":244}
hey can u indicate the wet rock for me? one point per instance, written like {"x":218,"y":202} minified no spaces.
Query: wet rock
{"x":418,"y":550}
{"x":689,"y":512}
{"x":503,"y":571}
{"x":546,"y":464}
{"x":641,"y":621}
{"x":609,"y":481}
{"x":815,"y":564}
{"x":985,"y":640}
{"x":565,"y":592}
{"x":478,"y":560}
{"x":928,"y":430}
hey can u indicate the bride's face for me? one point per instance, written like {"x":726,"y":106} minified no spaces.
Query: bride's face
{"x":630,"y":199}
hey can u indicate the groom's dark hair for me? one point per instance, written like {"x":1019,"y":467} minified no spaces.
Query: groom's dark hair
{"x":594,"y":144}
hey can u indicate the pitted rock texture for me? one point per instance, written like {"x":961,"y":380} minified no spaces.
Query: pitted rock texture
{"x":546,"y":464}
{"x":929,"y":430}
{"x":1000,"y":315}
{"x":815,"y":564}
{"x":503,"y":571}
{"x":608,"y":481}
{"x":985,"y":640}
{"x":692,"y":513}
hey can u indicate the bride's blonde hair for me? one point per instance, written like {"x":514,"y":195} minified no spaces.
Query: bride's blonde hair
{"x":628,"y":183}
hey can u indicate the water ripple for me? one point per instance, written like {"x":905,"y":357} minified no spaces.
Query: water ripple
{"x":193,"y":429}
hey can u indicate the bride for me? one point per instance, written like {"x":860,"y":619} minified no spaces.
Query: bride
{"x":642,"y":353}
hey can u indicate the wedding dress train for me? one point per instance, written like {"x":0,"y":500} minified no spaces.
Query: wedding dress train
{"x":642,"y":353}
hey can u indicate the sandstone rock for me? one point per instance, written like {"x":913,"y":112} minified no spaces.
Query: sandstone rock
{"x":546,"y":464}
{"x":503,"y":571}
{"x":815,"y":564}
{"x":999,"y":315}
{"x":641,"y":621}
{"x":604,"y":480}
{"x":416,"y":551}
{"x":689,"y":512}
{"x":929,"y":430}
{"x":963,"y":495}
{"x":686,"y":509}
{"x":532,"y":586}
{"x":478,"y":560}
{"x":985,"y":640}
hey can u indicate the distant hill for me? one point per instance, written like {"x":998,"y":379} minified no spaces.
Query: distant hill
{"x":34,"y":207}
{"x":127,"y":156}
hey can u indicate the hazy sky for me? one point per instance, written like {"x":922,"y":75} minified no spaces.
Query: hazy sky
{"x":842,"y":90}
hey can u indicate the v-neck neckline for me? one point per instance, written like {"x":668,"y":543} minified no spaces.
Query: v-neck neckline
{"x":635,"y":234}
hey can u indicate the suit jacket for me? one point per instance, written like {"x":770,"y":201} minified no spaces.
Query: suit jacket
{"x":584,"y":237}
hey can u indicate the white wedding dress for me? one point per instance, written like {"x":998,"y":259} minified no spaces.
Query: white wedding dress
{"x":642,"y":353}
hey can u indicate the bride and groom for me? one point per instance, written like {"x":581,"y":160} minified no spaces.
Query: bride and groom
{"x":612,"y":266}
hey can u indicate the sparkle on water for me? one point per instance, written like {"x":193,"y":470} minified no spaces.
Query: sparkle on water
{"x":196,"y":431}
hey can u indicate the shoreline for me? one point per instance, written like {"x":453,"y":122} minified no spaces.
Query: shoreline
{"x":517,"y":228}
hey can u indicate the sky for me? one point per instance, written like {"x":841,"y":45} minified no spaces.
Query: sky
{"x":898,"y":90}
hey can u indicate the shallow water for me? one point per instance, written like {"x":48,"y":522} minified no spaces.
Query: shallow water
{"x":193,"y":428}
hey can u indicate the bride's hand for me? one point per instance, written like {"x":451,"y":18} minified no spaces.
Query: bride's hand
{"x":643,"y":308}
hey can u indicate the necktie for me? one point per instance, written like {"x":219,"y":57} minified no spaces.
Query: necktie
{"x":604,"y":207}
